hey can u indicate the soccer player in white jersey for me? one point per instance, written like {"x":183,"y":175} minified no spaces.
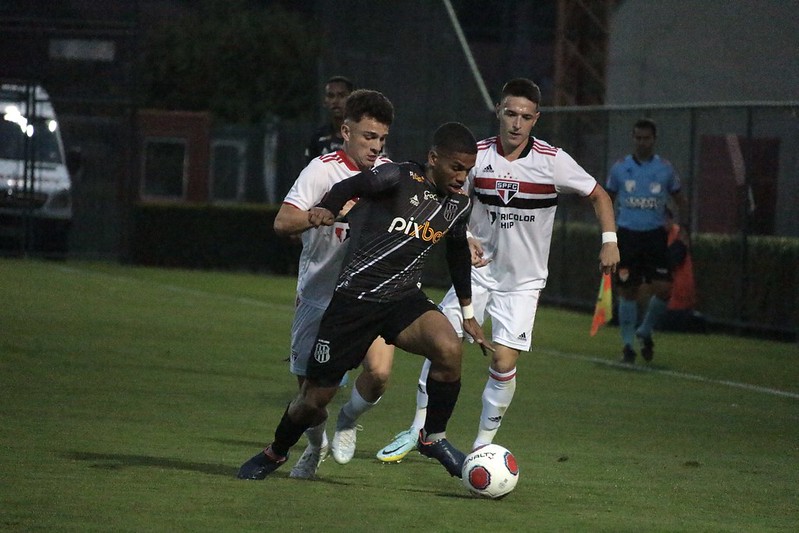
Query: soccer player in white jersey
{"x":367,"y":117}
{"x":515,"y":186}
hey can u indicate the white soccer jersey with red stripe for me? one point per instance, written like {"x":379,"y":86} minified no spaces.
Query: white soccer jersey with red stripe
{"x":323,"y":248}
{"x":514,"y":211}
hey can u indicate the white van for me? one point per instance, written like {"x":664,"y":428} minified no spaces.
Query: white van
{"x":35,"y":187}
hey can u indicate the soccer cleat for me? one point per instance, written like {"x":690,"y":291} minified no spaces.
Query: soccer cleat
{"x":260,"y":466}
{"x":343,"y":444}
{"x":309,"y":462}
{"x":397,"y":449}
{"x":647,"y":348}
{"x":444,"y":452}
{"x":628,"y":355}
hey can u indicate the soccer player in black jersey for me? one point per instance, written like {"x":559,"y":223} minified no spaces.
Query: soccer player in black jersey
{"x":327,"y":139}
{"x":403,"y":210}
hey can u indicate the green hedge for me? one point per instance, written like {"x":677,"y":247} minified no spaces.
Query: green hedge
{"x":236,"y":237}
{"x":753,"y":283}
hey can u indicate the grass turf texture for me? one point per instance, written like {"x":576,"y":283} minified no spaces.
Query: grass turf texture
{"x":131,"y":396}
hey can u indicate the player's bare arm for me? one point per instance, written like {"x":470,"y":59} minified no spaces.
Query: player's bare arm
{"x":474,"y":330}
{"x":603,"y":208}
{"x":291,"y":221}
{"x":683,"y":213}
{"x":319,"y":216}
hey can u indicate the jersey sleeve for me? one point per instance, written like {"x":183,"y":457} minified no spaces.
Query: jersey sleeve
{"x":310,"y":186}
{"x":367,"y":183}
{"x":459,"y":258}
{"x":570,"y":177}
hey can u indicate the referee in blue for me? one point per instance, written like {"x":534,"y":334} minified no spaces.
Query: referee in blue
{"x":640,"y":186}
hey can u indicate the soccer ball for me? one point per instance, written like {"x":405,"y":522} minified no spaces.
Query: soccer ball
{"x":490,"y":471}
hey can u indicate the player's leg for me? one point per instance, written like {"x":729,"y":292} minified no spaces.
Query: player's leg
{"x":497,"y":393}
{"x":346,"y":330}
{"x":512,"y":318}
{"x":432,"y":335}
{"x":309,"y":408}
{"x":627,"y":281}
{"x":367,"y":391}
{"x":658,"y":271}
{"x":405,"y":441}
{"x":304,"y":329}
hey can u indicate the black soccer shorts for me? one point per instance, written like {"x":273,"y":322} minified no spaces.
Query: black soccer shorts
{"x":349,"y":326}
{"x":644,"y":257}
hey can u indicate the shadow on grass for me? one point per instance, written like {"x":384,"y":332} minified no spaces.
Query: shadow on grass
{"x":241,"y":442}
{"x":115,"y":461}
{"x":118,"y":461}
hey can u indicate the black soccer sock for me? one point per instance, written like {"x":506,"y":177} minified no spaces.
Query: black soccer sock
{"x":287,"y":434}
{"x":442,"y":397}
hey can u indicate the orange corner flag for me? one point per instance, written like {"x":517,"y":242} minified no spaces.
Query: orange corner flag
{"x":603,"y":311}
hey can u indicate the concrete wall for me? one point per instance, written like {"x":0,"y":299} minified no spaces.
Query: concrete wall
{"x":683,"y":51}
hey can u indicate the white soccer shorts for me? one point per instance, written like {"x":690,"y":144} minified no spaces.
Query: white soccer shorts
{"x":304,"y":329}
{"x":512,"y":314}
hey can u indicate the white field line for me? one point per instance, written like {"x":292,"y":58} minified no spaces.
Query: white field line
{"x":671,"y":373}
{"x":556,"y":353}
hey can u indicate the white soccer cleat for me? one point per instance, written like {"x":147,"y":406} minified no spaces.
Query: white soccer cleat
{"x":309,"y":462}
{"x":343,"y":444}
{"x":397,"y":449}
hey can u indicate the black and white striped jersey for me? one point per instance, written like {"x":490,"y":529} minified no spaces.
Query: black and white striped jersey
{"x":398,"y":218}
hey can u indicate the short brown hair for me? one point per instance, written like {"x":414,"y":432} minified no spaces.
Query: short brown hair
{"x":367,"y":102}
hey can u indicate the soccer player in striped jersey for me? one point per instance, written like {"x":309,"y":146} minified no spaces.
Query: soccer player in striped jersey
{"x":515,"y":185}
{"x":367,"y":117}
{"x":402,"y":212}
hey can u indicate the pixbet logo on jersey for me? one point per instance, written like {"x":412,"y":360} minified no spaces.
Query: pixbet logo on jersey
{"x":409,"y":227}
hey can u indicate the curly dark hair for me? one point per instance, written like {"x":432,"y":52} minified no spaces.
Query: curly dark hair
{"x":371,"y":103}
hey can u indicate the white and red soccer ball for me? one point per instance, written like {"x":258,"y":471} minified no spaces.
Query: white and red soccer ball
{"x":490,"y":471}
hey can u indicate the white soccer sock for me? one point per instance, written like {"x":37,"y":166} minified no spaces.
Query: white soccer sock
{"x":354,"y":408}
{"x":497,"y":396}
{"x":421,"y":398}
{"x":317,"y":436}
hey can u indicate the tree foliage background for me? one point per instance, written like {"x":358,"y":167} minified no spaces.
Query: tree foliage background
{"x":241,"y":61}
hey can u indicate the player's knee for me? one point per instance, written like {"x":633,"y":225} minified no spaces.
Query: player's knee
{"x":374,"y":382}
{"x":449,"y":350}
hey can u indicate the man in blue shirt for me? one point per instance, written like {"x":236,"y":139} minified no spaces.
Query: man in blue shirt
{"x":640,"y":185}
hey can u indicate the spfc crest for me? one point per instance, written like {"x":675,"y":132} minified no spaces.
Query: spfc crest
{"x":506,"y":190}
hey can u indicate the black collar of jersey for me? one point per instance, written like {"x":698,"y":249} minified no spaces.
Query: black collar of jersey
{"x":423,"y":173}
{"x":530,"y":141}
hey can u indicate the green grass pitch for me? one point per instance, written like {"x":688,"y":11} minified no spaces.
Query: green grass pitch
{"x":130,"y":396}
